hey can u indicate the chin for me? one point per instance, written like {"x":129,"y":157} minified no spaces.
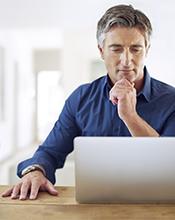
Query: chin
{"x":129,"y":78}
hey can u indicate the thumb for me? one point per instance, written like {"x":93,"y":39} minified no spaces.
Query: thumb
{"x":51,"y":189}
{"x":133,"y":84}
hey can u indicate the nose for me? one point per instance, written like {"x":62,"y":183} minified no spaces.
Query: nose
{"x":126,"y":58}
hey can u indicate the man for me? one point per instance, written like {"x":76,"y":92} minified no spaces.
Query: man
{"x":126,"y":102}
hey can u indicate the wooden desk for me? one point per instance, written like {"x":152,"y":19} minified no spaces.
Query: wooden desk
{"x":64,"y":207}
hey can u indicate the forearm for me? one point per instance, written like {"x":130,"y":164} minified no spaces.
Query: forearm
{"x":43,"y":159}
{"x":138,"y":127}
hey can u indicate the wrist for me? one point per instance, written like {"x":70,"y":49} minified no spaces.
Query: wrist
{"x":130,"y":118}
{"x":32,"y":168}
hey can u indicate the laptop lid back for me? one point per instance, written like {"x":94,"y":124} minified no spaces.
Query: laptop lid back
{"x":124,"y":169}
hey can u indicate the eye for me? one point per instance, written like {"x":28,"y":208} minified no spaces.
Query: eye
{"x":135,"y":49}
{"x":116,"y":49}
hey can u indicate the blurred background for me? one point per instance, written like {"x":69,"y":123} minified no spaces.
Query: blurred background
{"x":47,"y":49}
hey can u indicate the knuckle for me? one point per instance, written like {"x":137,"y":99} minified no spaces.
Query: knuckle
{"x":33,"y":193}
{"x":16,"y":187}
{"x":25,"y":182}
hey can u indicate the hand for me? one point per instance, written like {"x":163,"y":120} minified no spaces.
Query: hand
{"x":123,"y":94}
{"x":30,"y":183}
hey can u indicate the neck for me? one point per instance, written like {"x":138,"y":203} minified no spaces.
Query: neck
{"x":139,"y":85}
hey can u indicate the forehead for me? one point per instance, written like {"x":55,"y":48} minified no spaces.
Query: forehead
{"x":124,"y":36}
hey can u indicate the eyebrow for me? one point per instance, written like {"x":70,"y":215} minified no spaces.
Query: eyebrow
{"x":115,"y":45}
{"x":133,"y":45}
{"x":137,"y":45}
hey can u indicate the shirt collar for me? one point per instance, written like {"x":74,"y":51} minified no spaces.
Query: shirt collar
{"x":107,"y":85}
{"x":146,"y":90}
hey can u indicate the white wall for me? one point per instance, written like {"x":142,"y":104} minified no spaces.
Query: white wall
{"x":6,"y":126}
{"x":18,"y":46}
{"x":80,"y":48}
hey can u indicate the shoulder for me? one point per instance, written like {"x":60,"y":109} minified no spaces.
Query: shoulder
{"x":85,"y":92}
{"x":160,"y":88}
{"x":88,"y":88}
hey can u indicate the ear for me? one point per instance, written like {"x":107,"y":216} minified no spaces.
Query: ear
{"x":101,"y":51}
{"x":147,"y":49}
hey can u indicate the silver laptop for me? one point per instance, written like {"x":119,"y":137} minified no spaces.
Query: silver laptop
{"x":124,"y":169}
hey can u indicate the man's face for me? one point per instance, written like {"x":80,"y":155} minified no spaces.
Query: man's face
{"x":124,"y":52}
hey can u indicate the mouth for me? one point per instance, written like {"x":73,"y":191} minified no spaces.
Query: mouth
{"x":128,"y":74}
{"x":126,"y":70}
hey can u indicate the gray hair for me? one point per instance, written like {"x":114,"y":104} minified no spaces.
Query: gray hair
{"x":123,"y":16}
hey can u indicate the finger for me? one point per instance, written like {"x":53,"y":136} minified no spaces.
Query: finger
{"x":51,"y":189}
{"x":121,"y":86}
{"x":114,"y":100}
{"x":124,"y":82}
{"x":24,"y":190}
{"x":8,"y":192}
{"x":34,"y":190}
{"x":16,"y":191}
{"x":127,"y":90}
{"x":115,"y":94}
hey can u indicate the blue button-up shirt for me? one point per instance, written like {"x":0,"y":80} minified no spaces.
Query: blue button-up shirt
{"x":89,"y":112}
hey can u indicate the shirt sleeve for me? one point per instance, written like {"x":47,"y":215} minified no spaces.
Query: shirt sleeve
{"x":169,"y":126}
{"x":59,"y":143}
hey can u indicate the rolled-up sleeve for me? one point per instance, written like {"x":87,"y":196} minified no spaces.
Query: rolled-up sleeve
{"x":59,"y":143}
